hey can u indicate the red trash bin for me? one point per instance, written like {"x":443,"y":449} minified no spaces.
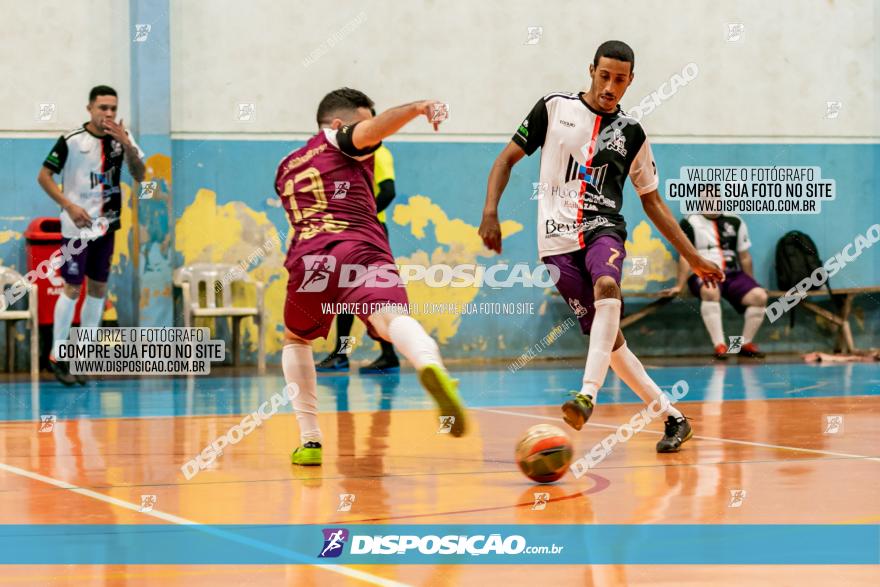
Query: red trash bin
{"x":43,"y":237}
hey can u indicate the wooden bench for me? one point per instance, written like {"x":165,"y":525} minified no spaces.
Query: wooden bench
{"x":840,"y":318}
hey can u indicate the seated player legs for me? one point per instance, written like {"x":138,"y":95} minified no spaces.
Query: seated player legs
{"x":710,"y":310}
{"x":755,"y":303}
{"x":724,"y":240}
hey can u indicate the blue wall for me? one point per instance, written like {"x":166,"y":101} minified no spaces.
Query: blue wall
{"x":453,"y":176}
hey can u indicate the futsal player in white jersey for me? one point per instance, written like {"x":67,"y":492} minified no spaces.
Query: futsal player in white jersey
{"x":588,"y":148}
{"x":90,"y":160}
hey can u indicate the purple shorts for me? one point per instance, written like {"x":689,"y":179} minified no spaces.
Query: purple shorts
{"x":735,"y":287}
{"x":93,"y":261}
{"x":579,"y":271}
{"x":369,"y":281}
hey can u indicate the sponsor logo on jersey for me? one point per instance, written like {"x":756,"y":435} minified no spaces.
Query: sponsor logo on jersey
{"x":566,"y":123}
{"x":618,"y":143}
{"x":553,"y":229}
{"x":101,"y":178}
{"x":592,"y":178}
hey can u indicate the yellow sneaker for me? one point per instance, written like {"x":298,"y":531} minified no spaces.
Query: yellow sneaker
{"x":307,"y":455}
{"x":444,"y":390}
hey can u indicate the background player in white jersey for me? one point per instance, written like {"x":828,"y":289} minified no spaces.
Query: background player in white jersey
{"x":90,"y":160}
{"x":588,"y":148}
{"x":724,"y":240}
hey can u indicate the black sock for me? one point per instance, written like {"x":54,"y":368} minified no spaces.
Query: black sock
{"x":388,"y":351}
{"x":344,"y":322}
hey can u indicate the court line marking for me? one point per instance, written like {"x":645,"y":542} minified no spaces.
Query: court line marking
{"x":805,"y":388}
{"x":352,"y":573}
{"x":730,"y":440}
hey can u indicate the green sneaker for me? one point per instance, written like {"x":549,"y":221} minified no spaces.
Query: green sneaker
{"x":444,"y":390}
{"x":577,"y":410}
{"x":307,"y":455}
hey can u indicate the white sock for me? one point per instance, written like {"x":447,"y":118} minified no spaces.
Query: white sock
{"x":632,"y":372}
{"x":299,"y":368}
{"x":754,"y":318}
{"x":603,"y":333}
{"x":711,"y":312}
{"x":91,"y":313}
{"x":63,"y":318}
{"x":413,"y":342}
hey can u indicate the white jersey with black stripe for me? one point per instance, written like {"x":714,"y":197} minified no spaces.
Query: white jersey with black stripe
{"x":90,"y":168}
{"x":586,"y":157}
{"x":721,"y":240}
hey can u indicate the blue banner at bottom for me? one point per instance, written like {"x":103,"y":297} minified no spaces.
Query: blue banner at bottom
{"x":441,"y":544}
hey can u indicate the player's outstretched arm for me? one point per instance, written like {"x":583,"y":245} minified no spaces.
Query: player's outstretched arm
{"x":490,"y":228}
{"x":369,"y":133}
{"x":665,"y":222}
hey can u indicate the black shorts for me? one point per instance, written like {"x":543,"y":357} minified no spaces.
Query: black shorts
{"x":87,"y":259}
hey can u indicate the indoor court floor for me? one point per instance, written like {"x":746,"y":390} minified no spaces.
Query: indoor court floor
{"x":773,"y":444}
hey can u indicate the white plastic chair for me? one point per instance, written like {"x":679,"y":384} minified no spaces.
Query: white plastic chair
{"x":8,"y":277}
{"x":217,"y":279}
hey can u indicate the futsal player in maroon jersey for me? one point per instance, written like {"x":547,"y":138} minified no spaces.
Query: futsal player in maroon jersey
{"x":326,"y":189}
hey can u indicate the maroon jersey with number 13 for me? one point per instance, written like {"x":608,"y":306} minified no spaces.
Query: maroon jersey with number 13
{"x":326,"y":187}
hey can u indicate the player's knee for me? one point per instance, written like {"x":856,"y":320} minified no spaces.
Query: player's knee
{"x":606,"y":287}
{"x":380,"y":323}
{"x":72,"y":291}
{"x":710,"y":294}
{"x":291,"y":338}
{"x":97,"y":289}
{"x":756,"y":297}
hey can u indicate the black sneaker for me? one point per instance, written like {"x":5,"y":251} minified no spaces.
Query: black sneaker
{"x":577,"y":410}
{"x":750,"y":351}
{"x":61,"y":371}
{"x":678,"y":431}
{"x":384,"y":364}
{"x":81,"y":379}
{"x":333,"y":363}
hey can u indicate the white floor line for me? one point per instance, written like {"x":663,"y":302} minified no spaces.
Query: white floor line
{"x":817,"y":386}
{"x":352,"y":573}
{"x":730,"y":440}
